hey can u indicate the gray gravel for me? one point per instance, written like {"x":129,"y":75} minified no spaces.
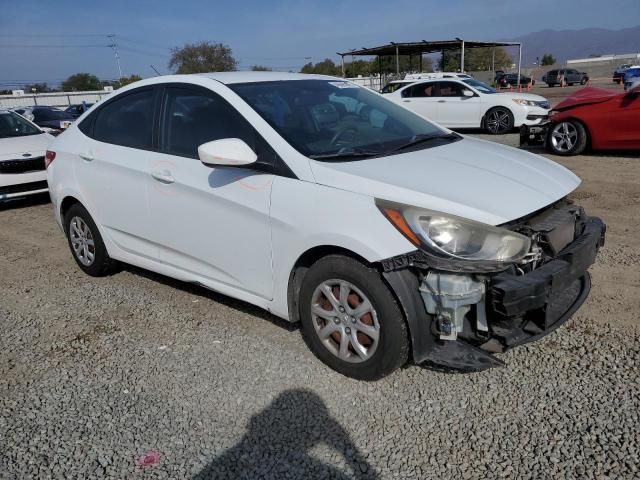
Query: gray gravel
{"x":97,"y":375}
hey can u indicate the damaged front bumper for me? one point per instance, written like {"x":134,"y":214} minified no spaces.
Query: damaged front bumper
{"x":459,"y":320}
{"x":534,"y":135}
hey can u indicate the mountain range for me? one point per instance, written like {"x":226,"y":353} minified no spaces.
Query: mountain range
{"x":571,"y":44}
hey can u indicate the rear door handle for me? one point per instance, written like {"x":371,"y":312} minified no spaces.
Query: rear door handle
{"x":164,"y":176}
{"x":88,"y":156}
{"x":442,"y":101}
{"x":407,"y":101}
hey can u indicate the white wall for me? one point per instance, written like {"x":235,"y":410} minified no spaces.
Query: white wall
{"x":54,"y":99}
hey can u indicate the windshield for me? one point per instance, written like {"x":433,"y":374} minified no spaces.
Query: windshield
{"x":321,"y":118}
{"x":480,"y":86}
{"x":392,"y":87}
{"x":13,"y":125}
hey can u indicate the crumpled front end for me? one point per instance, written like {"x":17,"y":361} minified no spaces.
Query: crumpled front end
{"x":468,"y":316}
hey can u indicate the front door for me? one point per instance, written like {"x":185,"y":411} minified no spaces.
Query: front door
{"x":211,"y":222}
{"x":455,"y":110}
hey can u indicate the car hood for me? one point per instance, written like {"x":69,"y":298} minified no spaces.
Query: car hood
{"x":470,"y":178}
{"x":586,"y":96}
{"x":15,"y":147}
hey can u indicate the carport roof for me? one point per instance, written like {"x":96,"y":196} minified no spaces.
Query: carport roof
{"x":417,"y":48}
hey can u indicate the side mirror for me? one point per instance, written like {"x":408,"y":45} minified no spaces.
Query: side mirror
{"x":230,"y":152}
{"x":468,"y":93}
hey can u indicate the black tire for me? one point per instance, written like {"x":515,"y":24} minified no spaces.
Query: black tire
{"x":100,"y":264}
{"x":392,"y":348}
{"x":579,"y":145}
{"x":584,"y":80}
{"x":498,"y":121}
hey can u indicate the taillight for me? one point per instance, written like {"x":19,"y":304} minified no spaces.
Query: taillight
{"x":48,"y":158}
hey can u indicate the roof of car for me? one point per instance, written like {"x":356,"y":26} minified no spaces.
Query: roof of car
{"x":247,"y":77}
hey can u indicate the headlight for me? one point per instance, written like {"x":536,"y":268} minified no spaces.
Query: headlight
{"x":531,"y":103}
{"x":456,"y":238}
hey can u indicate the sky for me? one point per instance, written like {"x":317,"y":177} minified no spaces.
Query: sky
{"x":48,"y":41}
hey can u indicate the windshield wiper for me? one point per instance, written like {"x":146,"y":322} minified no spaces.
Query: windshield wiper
{"x":418,"y":139}
{"x":344,"y":154}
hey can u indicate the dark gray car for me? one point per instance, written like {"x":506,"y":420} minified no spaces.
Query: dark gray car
{"x":567,"y":75}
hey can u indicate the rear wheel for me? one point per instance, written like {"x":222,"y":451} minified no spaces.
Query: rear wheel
{"x":85,"y":242}
{"x":568,"y":137}
{"x":498,"y":120}
{"x":584,"y":80}
{"x":351,"y":320}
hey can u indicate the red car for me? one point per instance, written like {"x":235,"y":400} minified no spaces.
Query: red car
{"x":592,"y":117}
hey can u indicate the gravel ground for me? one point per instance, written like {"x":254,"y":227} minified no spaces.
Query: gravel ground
{"x":140,"y":376}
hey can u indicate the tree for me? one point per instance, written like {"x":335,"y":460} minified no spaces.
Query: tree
{"x":37,"y":87}
{"x":476,"y":59}
{"x":547,"y":59}
{"x":81,"y":82}
{"x":325,"y":67}
{"x":121,"y":82}
{"x":260,"y":68}
{"x":202,"y":57}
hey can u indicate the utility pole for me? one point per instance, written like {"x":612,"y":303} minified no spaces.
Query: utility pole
{"x":114,"y":46}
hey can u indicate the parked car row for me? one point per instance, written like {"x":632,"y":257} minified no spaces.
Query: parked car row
{"x":618,"y":74}
{"x":52,"y":119}
{"x":565,"y":76}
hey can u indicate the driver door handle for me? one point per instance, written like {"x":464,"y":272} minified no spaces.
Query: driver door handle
{"x":442,"y":101}
{"x":163,"y":177}
{"x":87,"y":156}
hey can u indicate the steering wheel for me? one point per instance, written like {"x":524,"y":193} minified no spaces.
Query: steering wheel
{"x":335,"y":140}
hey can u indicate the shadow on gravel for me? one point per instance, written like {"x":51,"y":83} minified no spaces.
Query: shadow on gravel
{"x":211,"y":295}
{"x":24,"y":202}
{"x":279,"y":443}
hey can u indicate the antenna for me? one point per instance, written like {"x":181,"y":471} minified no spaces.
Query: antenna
{"x":114,"y":46}
{"x":154,"y":69}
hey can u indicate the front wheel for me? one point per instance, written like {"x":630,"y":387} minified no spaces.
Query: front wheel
{"x":568,"y":137}
{"x":351,"y":320}
{"x":583,"y":81}
{"x":499,"y":120}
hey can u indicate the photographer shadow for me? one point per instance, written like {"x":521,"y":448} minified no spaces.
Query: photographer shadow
{"x":279,"y":443}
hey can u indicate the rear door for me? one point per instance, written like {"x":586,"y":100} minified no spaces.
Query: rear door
{"x":112,"y":168}
{"x":454,"y":108}
{"x":421,"y":98}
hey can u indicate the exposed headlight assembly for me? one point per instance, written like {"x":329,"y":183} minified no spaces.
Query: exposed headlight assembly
{"x":463,"y":243}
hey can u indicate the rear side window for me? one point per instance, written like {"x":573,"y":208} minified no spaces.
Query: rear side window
{"x":127,"y":121}
{"x":192,"y":117}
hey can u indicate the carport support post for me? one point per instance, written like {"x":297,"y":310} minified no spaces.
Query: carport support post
{"x":519,"y":63}
{"x":462,"y":58}
{"x":420,"y":62}
{"x":343,"y":75}
{"x":397,"y":61}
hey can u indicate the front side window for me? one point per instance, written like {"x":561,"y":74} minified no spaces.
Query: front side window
{"x":13,"y":125}
{"x":322,"y":118}
{"x":392,"y":87}
{"x":46,"y":115}
{"x":126,"y":121}
{"x":421,"y":90}
{"x":451,"y":89}
{"x":193,"y":117}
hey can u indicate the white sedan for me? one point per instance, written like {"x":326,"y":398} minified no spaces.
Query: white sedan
{"x":470,"y":103}
{"x":22,"y":156}
{"x":386,"y":236}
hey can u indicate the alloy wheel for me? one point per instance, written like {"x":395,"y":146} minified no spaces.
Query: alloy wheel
{"x":498,"y":121}
{"x":345,"y":321}
{"x":82,"y":241}
{"x":564,"y":137}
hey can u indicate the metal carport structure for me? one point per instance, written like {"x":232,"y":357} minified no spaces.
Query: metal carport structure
{"x":423,"y":47}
